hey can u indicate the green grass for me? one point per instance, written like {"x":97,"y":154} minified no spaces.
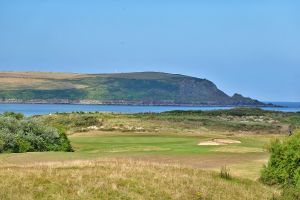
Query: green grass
{"x":176,"y":149}
{"x":159,"y":144}
{"x":172,"y":149}
{"x":173,"y":145}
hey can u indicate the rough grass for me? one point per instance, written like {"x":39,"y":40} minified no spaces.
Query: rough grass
{"x":184,"y":123}
{"x":122,"y":179}
{"x":37,"y":84}
{"x":42,"y":75}
{"x":39,"y":80}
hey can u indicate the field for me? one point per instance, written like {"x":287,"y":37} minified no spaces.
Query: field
{"x":173,"y":155}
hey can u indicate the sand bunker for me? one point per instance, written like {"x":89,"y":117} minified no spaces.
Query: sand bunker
{"x":208,"y":143}
{"x":216,"y":142}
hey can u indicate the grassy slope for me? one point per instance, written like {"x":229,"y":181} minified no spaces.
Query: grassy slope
{"x":146,"y":87}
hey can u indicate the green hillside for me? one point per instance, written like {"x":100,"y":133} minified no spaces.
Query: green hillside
{"x":141,"y":88}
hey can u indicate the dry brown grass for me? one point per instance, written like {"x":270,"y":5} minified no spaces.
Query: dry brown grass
{"x":32,"y":83}
{"x":42,"y":75}
{"x":239,"y":149}
{"x":38,"y":80}
{"x":121,"y":179}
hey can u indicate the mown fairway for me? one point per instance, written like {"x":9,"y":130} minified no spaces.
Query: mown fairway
{"x":246,"y":158}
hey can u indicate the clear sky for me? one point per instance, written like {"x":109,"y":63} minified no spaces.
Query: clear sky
{"x":246,"y":46}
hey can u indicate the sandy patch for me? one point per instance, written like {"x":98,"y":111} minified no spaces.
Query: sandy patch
{"x":209,"y":143}
{"x":216,"y":142}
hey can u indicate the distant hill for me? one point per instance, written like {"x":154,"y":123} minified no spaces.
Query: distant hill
{"x":140,"y":88}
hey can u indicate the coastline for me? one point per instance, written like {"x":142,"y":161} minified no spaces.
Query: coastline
{"x":131,"y":103}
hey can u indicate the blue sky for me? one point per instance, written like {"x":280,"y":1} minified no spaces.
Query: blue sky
{"x":246,"y":46}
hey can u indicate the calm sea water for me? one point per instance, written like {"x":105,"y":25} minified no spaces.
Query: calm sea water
{"x":41,"y":109}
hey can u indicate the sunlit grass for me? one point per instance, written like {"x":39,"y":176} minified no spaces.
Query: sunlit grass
{"x":121,"y":179}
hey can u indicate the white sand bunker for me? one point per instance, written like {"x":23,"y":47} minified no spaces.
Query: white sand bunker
{"x":216,"y":142}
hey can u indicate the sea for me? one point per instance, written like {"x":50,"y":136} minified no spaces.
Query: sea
{"x":43,"y":109}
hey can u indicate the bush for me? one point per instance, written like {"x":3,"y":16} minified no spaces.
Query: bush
{"x":13,"y":115}
{"x":85,"y":120}
{"x":1,"y":146}
{"x":238,"y":112}
{"x":283,"y":167}
{"x":19,"y":134}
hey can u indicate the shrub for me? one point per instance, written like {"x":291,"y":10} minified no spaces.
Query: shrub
{"x":85,"y":120}
{"x":13,"y":115}
{"x":284,"y":164}
{"x":21,"y":145}
{"x":1,"y":146}
{"x":283,"y":167}
{"x":24,"y":134}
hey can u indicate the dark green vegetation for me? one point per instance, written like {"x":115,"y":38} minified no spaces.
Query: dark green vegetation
{"x":283,"y":167}
{"x":147,"y":88}
{"x":19,"y":134}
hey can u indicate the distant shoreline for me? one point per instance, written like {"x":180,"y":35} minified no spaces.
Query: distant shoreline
{"x":129,"y":103}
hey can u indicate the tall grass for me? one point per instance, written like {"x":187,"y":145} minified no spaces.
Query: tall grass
{"x":121,"y":179}
{"x":225,"y":173}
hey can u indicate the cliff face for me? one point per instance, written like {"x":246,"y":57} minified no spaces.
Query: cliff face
{"x":144,"y":88}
